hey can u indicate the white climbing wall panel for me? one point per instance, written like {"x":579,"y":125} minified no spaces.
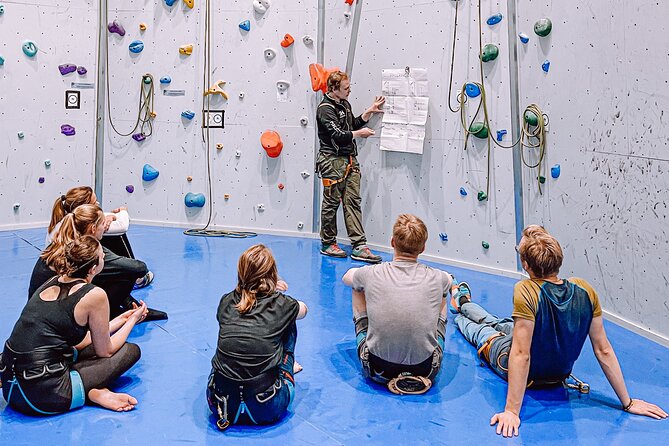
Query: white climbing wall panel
{"x":176,"y":149}
{"x":400,"y":33}
{"x":32,"y":101}
{"x":606,"y":96}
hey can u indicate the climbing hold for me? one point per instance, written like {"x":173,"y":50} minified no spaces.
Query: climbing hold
{"x":21,"y":135}
{"x":217,"y":88}
{"x":308,"y":40}
{"x":149,"y":173}
{"x":139,"y":137}
{"x":472,"y":90}
{"x":304,"y":121}
{"x":271,"y":142}
{"x":153,"y":115}
{"x":443,"y":236}
{"x":2,"y":60}
{"x":349,"y":2}
{"x":130,"y":188}
{"x":555,"y":171}
{"x":546,"y":65}
{"x":40,"y":180}
{"x":281,"y":186}
{"x":524,"y":38}
{"x":190,"y":3}
{"x":226,"y":196}
{"x":189,"y":178}
{"x":543,"y":27}
{"x":116,"y":28}
{"x":300,"y":225}
{"x":136,"y":46}
{"x":482,"y":196}
{"x":241,"y":95}
{"x":245,"y":25}
{"x":238,"y":153}
{"x":261,"y":6}
{"x":47,"y":163}
{"x":188,"y":114}
{"x":186,"y":50}
{"x":319,"y":76}
{"x":531,"y":118}
{"x":485,"y":244}
{"x":142,"y":27}
{"x":479,"y":129}
{"x":67,"y":68}
{"x":2,"y":9}
{"x":81,"y":71}
{"x":29,"y":48}
{"x":194,"y":200}
{"x":494,"y":19}
{"x":490,"y":52}
{"x":170,"y":2}
{"x":165,"y":80}
{"x":17,"y":206}
{"x":219,"y":146}
{"x":147,"y":79}
{"x":305,"y":174}
{"x":542,"y":179}
{"x":261,"y":207}
{"x":500,"y":134}
{"x":287,"y":41}
{"x":269,"y":53}
{"x":463,"y":191}
{"x":67,"y":130}
{"x":282,"y":86}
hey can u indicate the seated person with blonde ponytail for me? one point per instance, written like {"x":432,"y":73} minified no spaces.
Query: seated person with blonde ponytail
{"x":119,"y":274}
{"x":251,"y":381}
{"x":63,"y":350}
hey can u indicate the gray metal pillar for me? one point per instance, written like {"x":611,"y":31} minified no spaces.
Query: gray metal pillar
{"x":320,"y":58}
{"x":354,"y":38}
{"x":100,"y":101}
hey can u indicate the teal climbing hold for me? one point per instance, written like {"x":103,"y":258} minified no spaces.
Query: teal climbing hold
{"x":490,"y":52}
{"x":472,"y":90}
{"x":29,"y":48}
{"x":531,"y":118}
{"x":485,"y":244}
{"x":482,"y":196}
{"x":542,"y":179}
{"x":543,"y":27}
{"x":149,"y":173}
{"x":2,"y":9}
{"x":194,"y":200}
{"x":2,"y":60}
{"x":479,"y":129}
{"x":245,"y":25}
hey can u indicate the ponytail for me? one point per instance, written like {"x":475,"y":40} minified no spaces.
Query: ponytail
{"x":67,"y":203}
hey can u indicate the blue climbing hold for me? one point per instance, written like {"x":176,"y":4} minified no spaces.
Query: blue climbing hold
{"x":245,"y":25}
{"x":500,"y":134}
{"x":170,"y":2}
{"x":524,"y":38}
{"x":555,"y":171}
{"x":472,"y":90}
{"x":188,"y":114}
{"x":463,"y":191}
{"x":546,"y":65}
{"x":194,"y":200}
{"x":2,"y":60}
{"x":149,"y":173}
{"x":165,"y":80}
{"x":443,"y":236}
{"x":494,"y":19}
{"x":136,"y":46}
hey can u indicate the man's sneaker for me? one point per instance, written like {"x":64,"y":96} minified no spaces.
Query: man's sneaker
{"x":143,"y":281}
{"x":463,"y":295}
{"x":363,"y":254}
{"x":333,"y":250}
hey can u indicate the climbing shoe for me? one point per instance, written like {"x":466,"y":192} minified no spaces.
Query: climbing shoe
{"x":463,"y":295}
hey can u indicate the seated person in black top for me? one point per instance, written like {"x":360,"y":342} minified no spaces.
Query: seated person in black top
{"x":60,"y":354}
{"x":251,"y":381}
{"x":119,"y":274}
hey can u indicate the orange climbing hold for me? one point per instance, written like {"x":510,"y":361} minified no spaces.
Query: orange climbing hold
{"x":287,"y":41}
{"x":349,"y":2}
{"x":319,"y":76}
{"x":271,"y":142}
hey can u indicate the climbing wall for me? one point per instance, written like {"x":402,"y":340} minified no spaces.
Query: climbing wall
{"x":605,"y":95}
{"x":401,"y":33}
{"x":250,"y":189}
{"x":38,"y":162}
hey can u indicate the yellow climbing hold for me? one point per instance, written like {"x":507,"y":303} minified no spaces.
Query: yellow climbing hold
{"x":142,"y":26}
{"x":186,"y":50}
{"x":190,"y":3}
{"x":217,"y":88}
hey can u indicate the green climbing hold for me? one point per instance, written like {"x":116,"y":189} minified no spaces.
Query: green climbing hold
{"x":479,"y":129}
{"x":147,"y":80}
{"x":542,"y":179}
{"x":482,"y":196}
{"x":490,"y":52}
{"x":543,"y":27}
{"x":485,"y":244}
{"x":531,"y":118}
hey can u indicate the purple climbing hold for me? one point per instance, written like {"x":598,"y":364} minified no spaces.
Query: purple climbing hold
{"x":546,"y":65}
{"x":116,"y":28}
{"x":130,"y":188}
{"x":67,"y":130}
{"x":139,"y":137}
{"x":40,"y":180}
{"x":82,"y":70}
{"x":67,"y":68}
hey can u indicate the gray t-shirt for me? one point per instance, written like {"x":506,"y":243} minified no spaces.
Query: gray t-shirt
{"x":403,"y":304}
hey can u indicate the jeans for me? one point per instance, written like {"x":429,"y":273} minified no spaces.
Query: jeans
{"x":478,"y":326}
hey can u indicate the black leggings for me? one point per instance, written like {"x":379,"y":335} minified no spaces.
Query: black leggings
{"x":118,"y":244}
{"x":98,"y":373}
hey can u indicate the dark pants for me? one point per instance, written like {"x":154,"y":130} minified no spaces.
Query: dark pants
{"x":347,"y":192}
{"x":240,"y":403}
{"x":383,"y":371}
{"x":118,"y":244}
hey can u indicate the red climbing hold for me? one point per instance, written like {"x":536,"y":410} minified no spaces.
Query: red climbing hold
{"x":287,"y":41}
{"x":271,"y":142}
{"x":319,"y":76}
{"x":348,"y":2}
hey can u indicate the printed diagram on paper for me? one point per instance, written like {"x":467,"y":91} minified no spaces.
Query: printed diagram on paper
{"x":403,"y":124}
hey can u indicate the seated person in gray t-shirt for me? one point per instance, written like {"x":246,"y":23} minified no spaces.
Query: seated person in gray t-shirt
{"x":399,"y":311}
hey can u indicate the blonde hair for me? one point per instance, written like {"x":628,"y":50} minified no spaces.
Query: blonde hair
{"x":256,"y":275}
{"x":68,"y":203}
{"x":79,"y":256}
{"x":335,"y":79}
{"x":75,"y":224}
{"x":541,"y":251}
{"x":409,"y":234}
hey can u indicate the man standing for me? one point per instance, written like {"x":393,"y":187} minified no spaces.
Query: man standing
{"x":339,"y":169}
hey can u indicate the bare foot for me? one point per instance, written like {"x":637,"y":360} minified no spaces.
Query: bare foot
{"x":297,"y":367}
{"x":119,"y":402}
